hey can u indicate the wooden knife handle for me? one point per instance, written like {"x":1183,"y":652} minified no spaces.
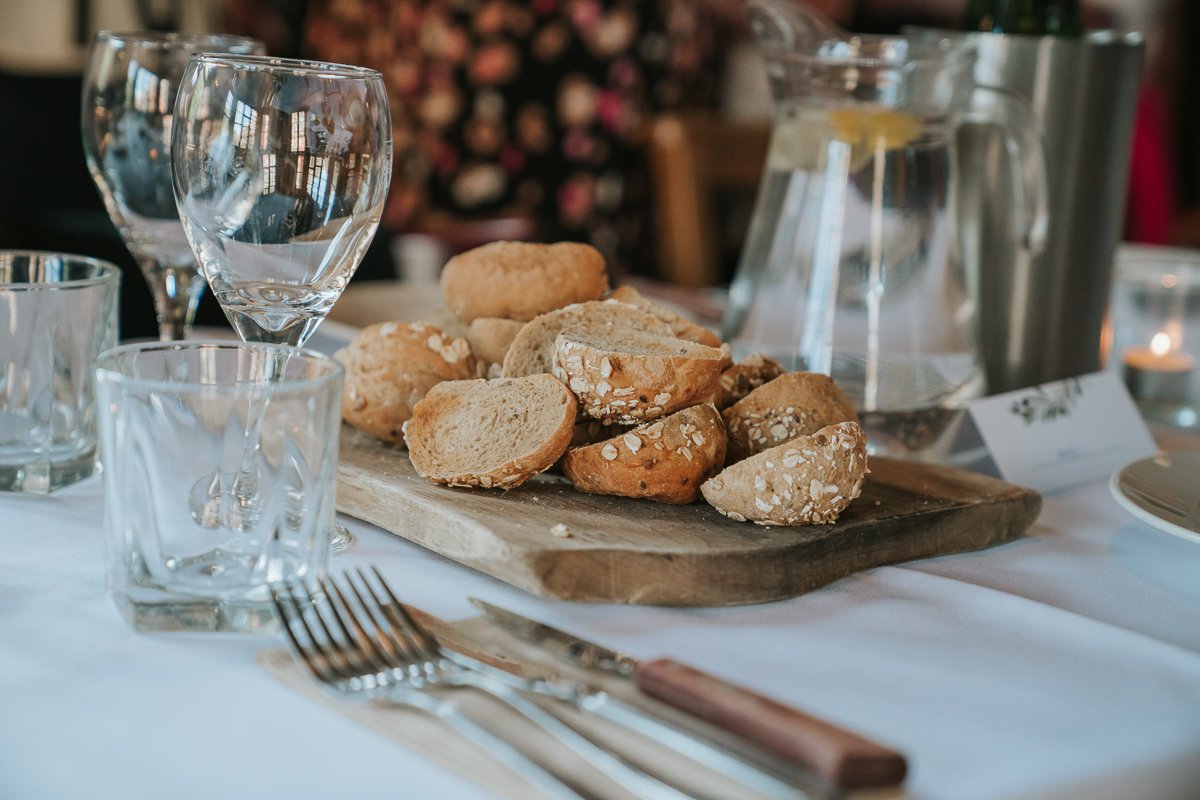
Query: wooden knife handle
{"x":838,"y":755}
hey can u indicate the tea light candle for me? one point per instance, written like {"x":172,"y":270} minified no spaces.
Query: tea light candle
{"x":1158,"y":373}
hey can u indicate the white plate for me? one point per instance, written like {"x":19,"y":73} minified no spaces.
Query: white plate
{"x":1163,"y":491}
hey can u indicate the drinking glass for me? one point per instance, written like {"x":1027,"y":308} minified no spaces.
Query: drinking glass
{"x":168,"y":412}
{"x":57,"y":313}
{"x":281,"y":168}
{"x":128,"y":111}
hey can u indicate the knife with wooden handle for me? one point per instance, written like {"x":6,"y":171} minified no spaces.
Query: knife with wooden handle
{"x":840,"y":756}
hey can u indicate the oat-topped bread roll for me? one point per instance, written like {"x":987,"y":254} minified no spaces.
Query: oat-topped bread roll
{"x":680,"y":326}
{"x":389,"y":368}
{"x":490,"y":433}
{"x":664,"y":460}
{"x":794,"y":404}
{"x":490,"y":337}
{"x":630,"y":376}
{"x":744,"y":377}
{"x":809,"y":480}
{"x":519,"y":280}
{"x":532,"y":351}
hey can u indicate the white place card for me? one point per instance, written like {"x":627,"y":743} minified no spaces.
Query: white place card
{"x":1063,"y":434}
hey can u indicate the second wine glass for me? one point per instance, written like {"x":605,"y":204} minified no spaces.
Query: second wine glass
{"x":127,"y":114}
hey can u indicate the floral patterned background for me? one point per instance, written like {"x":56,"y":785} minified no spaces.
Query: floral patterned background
{"x":531,"y":108}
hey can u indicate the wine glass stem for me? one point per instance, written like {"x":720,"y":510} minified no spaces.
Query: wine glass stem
{"x":176,"y":293}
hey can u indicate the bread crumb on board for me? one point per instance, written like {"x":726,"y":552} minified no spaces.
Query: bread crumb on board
{"x":561,"y":531}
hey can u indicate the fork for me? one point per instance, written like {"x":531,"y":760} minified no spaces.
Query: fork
{"x":381,"y":651}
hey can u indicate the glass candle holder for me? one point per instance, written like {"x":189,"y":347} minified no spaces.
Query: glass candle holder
{"x":1155,"y":331}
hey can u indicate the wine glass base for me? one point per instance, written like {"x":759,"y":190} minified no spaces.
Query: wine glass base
{"x":339,"y":538}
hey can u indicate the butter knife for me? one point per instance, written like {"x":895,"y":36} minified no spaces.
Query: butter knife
{"x":842,"y":757}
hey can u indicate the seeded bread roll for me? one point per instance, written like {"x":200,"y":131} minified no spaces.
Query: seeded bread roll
{"x":665,"y":460}
{"x":519,"y":280}
{"x":532,"y":351}
{"x":809,"y":480}
{"x":389,"y":368}
{"x":794,"y":404}
{"x":490,"y":338}
{"x":490,"y":433}
{"x":629,"y":376}
{"x":744,"y":377}
{"x":680,"y":326}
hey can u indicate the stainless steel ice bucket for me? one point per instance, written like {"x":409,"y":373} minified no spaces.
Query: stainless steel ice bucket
{"x":1041,"y":315}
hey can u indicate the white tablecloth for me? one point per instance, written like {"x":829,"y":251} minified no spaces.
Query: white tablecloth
{"x":1063,"y":665}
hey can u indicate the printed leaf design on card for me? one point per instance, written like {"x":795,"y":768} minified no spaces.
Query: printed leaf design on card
{"x":1041,"y":405}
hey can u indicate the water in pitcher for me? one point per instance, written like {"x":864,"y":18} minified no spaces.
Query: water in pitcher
{"x":852,"y":268}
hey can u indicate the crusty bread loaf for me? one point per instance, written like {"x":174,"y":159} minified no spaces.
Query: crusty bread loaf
{"x":630,"y":376}
{"x":532,"y":351}
{"x":809,"y":480}
{"x":490,"y":433}
{"x":794,"y":404}
{"x":519,"y":280}
{"x":744,"y":377}
{"x":664,"y":460}
{"x":490,"y":337}
{"x":389,"y":368}
{"x":682,"y":327}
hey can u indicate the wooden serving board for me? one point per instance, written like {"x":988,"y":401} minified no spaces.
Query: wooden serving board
{"x":636,"y":551}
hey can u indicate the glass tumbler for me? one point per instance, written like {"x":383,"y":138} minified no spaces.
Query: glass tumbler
{"x":57,"y":313}
{"x":215,"y":415}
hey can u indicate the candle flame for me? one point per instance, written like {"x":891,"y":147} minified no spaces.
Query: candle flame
{"x":1160,"y":345}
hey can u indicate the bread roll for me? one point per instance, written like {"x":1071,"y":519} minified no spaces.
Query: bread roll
{"x":532,"y":351}
{"x":629,"y":377}
{"x":664,"y":460}
{"x":809,"y":480}
{"x":390,"y":366}
{"x":794,"y":404}
{"x":519,"y":280}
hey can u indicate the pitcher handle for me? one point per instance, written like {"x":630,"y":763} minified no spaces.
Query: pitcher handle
{"x":992,"y":105}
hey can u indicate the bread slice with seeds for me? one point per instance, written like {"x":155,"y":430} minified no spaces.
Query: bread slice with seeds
{"x":630,"y":376}
{"x":809,"y":480}
{"x":532,"y":350}
{"x":794,"y":404}
{"x":390,"y":366}
{"x":682,"y":327}
{"x":519,"y":280}
{"x":665,"y":460}
{"x":490,"y":433}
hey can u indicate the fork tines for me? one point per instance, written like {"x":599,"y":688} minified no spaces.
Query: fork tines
{"x":348,"y":636}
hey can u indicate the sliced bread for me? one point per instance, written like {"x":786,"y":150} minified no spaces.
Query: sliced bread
{"x":631,"y":376}
{"x":519,"y":280}
{"x":680,"y":326}
{"x":664,"y":460}
{"x":532,"y":350}
{"x":390,"y":366}
{"x":490,"y":433}
{"x":794,"y":404}
{"x":809,"y":480}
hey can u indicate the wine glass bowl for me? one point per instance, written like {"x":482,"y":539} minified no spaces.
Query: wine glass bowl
{"x":127,"y":119}
{"x":281,"y":169}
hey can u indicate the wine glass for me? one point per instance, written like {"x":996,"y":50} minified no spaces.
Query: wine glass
{"x":281,"y":168}
{"x":128,"y":109}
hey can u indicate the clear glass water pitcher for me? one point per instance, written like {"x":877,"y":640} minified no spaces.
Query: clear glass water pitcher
{"x":853,"y":264}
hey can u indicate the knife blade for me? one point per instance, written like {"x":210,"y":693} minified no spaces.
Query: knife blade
{"x":840,"y":756}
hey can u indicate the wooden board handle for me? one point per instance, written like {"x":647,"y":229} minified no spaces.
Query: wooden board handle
{"x":838,"y":755}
